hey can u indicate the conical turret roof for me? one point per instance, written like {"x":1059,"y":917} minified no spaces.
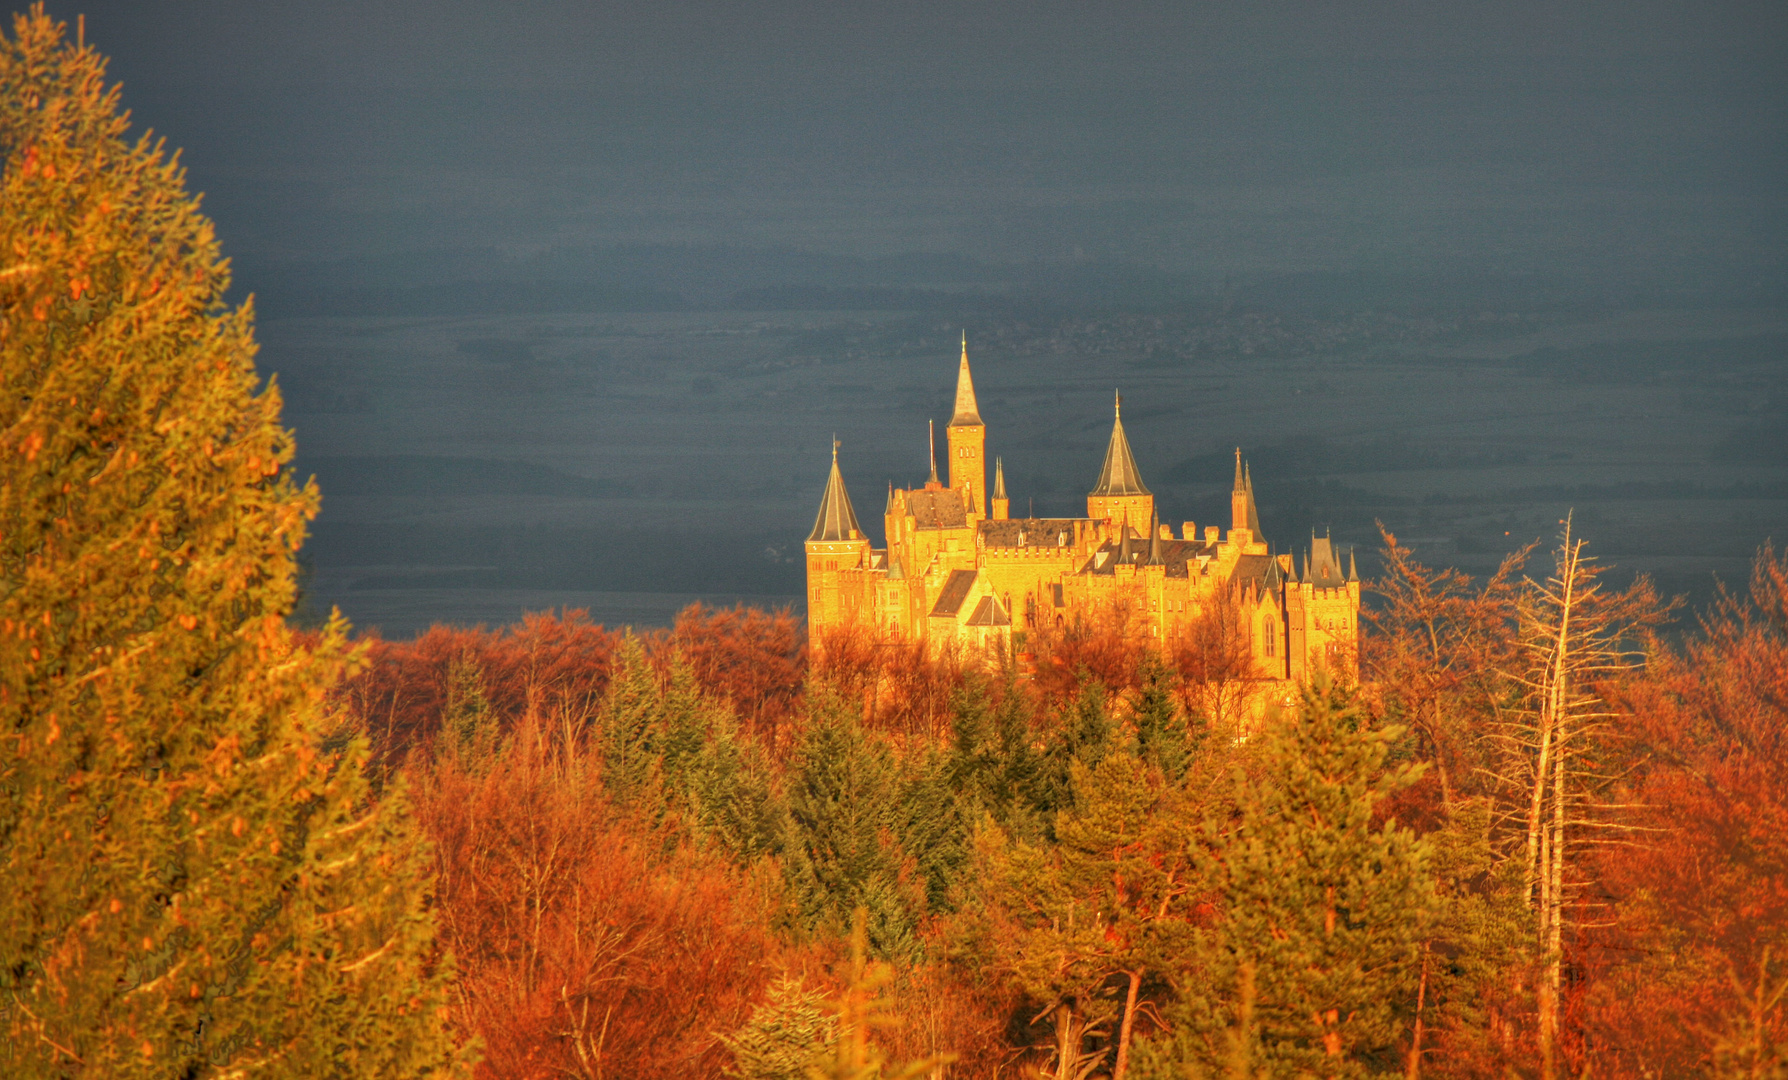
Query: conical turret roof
{"x":836,"y":520}
{"x":999,"y":478}
{"x":968,"y":414}
{"x":1119,"y":475}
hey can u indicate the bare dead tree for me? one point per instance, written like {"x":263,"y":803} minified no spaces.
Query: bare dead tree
{"x":1573,"y":634}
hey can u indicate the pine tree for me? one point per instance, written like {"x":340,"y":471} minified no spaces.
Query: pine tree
{"x":993,"y":765}
{"x":1080,"y":924}
{"x":843,"y":848}
{"x":469,"y":734}
{"x":195,"y":875}
{"x":862,"y":1008}
{"x":1163,"y":737}
{"x":786,"y":1037}
{"x":1324,"y":909}
{"x":630,"y":723}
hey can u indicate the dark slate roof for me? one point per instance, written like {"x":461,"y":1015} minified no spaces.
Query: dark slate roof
{"x":1033,"y":532}
{"x":1118,"y":476}
{"x":941,"y":509}
{"x":836,"y":520}
{"x":1175,"y":555}
{"x":1253,"y":512}
{"x":1262,"y":570}
{"x":1323,"y":569}
{"x":990,"y":612}
{"x":955,"y":591}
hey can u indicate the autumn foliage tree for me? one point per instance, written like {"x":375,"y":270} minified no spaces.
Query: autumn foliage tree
{"x":1693,"y":973}
{"x":594,"y":939}
{"x":194,"y":873}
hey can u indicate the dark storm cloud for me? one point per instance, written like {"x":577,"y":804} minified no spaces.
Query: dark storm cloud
{"x":1308,"y":135}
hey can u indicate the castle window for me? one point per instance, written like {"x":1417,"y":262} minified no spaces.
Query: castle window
{"x":1269,"y":637}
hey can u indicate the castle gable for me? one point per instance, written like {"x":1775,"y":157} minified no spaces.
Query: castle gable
{"x":990,"y":612}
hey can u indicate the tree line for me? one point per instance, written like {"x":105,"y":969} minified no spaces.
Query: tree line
{"x":1537,"y":837}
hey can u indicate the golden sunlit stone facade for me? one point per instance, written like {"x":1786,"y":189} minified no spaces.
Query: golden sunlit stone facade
{"x":957,"y":571}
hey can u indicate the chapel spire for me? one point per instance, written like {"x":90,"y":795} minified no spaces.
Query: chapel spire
{"x":968,"y":414}
{"x":967,"y":438}
{"x":931,"y":446}
{"x":1241,"y":500}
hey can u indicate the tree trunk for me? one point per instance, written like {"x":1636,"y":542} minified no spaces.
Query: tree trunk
{"x":1413,"y":1071}
{"x":1067,"y":1046}
{"x":1550,"y":864}
{"x":1123,"y":1048}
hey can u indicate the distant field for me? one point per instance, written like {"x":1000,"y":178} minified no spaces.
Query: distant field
{"x":476,"y":466}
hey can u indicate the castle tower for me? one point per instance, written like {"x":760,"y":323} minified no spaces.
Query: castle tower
{"x":1002,"y":506}
{"x":968,"y":440}
{"x":835,"y":545}
{"x":1119,"y":495}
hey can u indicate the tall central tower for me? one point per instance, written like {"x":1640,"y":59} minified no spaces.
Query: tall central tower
{"x":968,"y":440}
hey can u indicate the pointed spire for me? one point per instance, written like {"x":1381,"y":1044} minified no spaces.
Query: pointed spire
{"x":1124,"y":542}
{"x":1240,"y":477}
{"x":1119,"y":476}
{"x":968,"y":414}
{"x":1353,"y":570}
{"x":1155,"y":542}
{"x":931,"y":445}
{"x":889,"y":507}
{"x":836,"y":520}
{"x":999,"y":478}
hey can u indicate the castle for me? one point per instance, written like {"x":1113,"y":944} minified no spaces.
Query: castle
{"x":959,"y":572}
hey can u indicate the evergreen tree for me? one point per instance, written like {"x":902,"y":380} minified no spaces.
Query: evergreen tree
{"x":843,"y":848}
{"x":629,"y":723}
{"x":993,"y":767}
{"x":469,"y":734}
{"x":1322,"y":911}
{"x":195,"y":876}
{"x":786,"y":1037}
{"x":1163,"y":737}
{"x":1084,"y":735}
{"x":1081,"y":924}
{"x":731,"y":795}
{"x":933,"y":824}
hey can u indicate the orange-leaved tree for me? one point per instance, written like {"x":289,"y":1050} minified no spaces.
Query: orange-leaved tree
{"x":194,"y":874}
